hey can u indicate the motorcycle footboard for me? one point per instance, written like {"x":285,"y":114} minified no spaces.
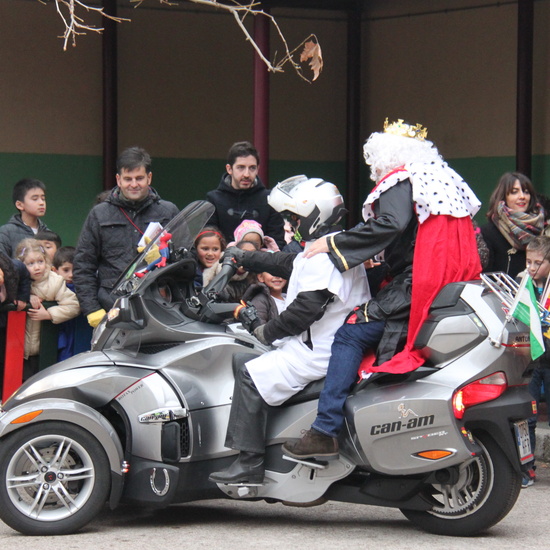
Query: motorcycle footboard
{"x":380,"y":491}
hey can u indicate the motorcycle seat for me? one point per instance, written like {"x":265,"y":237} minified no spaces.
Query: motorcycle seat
{"x":310,"y":392}
{"x":313,"y":389}
{"x":387,"y":378}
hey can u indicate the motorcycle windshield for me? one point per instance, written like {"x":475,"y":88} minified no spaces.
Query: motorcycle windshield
{"x":178,"y":237}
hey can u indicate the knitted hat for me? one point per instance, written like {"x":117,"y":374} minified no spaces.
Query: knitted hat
{"x":248,"y":226}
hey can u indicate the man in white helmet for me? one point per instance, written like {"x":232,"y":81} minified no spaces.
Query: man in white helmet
{"x":318,"y":299}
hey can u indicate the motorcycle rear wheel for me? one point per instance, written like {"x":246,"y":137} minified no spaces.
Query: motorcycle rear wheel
{"x":54,"y":479}
{"x":486,"y":491}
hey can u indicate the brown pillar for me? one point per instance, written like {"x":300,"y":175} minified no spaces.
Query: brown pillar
{"x":261,"y":96}
{"x":110,"y":107}
{"x":353,"y":116}
{"x":524,"y":112}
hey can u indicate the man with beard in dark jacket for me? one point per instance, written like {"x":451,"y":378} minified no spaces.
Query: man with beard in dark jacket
{"x":242,"y":196}
{"x":111,"y":233}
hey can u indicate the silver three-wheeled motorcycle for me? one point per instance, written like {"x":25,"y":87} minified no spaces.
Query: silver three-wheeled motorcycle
{"x":142,"y":417}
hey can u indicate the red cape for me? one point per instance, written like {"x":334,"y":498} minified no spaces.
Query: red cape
{"x":445,"y":252}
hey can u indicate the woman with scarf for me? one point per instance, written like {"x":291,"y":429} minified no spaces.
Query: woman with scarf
{"x":515,"y":217}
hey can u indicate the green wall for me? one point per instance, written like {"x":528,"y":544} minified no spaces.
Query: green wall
{"x":483,"y":173}
{"x":73,"y":181}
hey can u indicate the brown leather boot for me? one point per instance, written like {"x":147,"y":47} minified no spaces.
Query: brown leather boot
{"x":312,"y":445}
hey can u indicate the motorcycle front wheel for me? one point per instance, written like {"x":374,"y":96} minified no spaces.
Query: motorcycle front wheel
{"x":54,"y":479}
{"x":487,"y":489}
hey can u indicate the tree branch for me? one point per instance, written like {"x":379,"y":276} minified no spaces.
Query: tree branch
{"x":75,"y":26}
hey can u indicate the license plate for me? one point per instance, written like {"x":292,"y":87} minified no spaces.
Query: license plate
{"x":523,"y":441}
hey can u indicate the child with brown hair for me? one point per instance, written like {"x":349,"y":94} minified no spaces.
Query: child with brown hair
{"x":267,"y":296}
{"x":29,"y":198}
{"x":209,"y":247}
{"x":45,"y":286}
{"x":537,"y":255}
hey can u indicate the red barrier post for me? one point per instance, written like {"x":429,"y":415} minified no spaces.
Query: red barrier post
{"x":15,"y":347}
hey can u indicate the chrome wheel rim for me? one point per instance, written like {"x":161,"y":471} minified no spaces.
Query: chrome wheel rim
{"x":469,"y":493}
{"x":50,"y":477}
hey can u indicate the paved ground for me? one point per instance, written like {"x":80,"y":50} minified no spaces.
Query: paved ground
{"x":230,"y":525}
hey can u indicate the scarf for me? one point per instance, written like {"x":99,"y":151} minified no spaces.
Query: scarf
{"x":518,"y":228}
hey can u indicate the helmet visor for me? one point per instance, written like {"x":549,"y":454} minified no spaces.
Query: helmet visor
{"x":289,"y":184}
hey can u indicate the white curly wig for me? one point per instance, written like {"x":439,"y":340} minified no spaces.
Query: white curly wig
{"x":386,"y":152}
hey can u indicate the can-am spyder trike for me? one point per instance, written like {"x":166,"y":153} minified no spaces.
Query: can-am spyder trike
{"x":142,"y":417}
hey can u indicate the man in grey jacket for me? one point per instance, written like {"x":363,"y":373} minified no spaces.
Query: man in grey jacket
{"x":110,"y":235}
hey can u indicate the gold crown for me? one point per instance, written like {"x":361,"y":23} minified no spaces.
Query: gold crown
{"x":401,"y":128}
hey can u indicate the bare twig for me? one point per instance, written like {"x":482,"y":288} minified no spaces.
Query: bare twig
{"x":75,"y":25}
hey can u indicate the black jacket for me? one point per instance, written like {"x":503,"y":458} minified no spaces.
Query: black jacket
{"x":235,"y":205}
{"x":308,"y":306}
{"x":393,"y":229}
{"x":108,"y":243}
{"x":502,"y":255}
{"x":17,"y":282}
{"x":258,"y":295}
{"x":15,"y":231}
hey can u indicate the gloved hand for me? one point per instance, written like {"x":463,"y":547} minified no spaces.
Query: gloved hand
{"x":233,"y":254}
{"x":259,"y":334}
{"x":153,"y":253}
{"x":248,"y":316}
{"x":95,"y":317}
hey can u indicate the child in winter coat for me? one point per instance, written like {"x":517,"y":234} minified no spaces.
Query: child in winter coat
{"x":45,"y":286}
{"x":209,"y":247}
{"x":251,"y":231}
{"x":267,"y":296}
{"x":242,"y":280}
{"x":537,"y":255}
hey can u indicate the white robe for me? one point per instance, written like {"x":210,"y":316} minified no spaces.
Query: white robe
{"x":281,"y":373}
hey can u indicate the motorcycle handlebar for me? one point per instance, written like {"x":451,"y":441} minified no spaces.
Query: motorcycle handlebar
{"x":204,"y":306}
{"x":229,"y":268}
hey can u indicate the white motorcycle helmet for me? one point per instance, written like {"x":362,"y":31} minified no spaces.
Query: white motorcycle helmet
{"x":316,"y":203}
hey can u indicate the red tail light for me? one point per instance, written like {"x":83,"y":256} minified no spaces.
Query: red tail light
{"x":480,"y":391}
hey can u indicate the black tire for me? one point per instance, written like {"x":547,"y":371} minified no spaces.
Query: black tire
{"x":54,"y":479}
{"x":486,"y":491}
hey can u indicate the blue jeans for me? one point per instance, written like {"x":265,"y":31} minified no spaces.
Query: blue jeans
{"x":348,"y":348}
{"x":540,"y":378}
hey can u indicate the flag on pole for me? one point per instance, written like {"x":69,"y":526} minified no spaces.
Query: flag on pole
{"x":525,"y":309}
